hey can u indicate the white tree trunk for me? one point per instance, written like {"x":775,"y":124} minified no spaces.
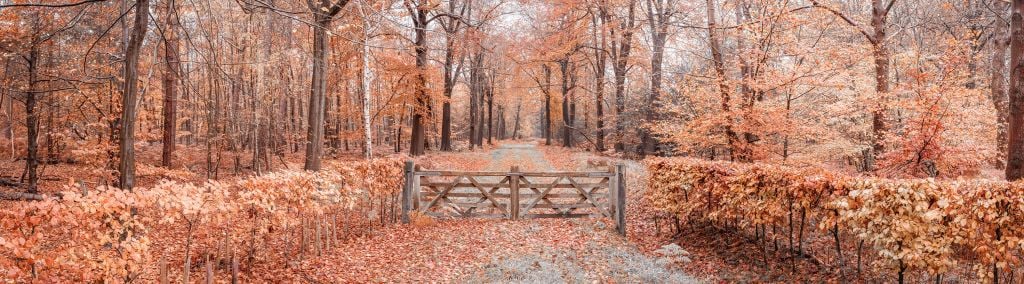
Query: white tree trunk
{"x":364,"y":79}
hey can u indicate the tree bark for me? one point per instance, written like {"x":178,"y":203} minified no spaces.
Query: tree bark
{"x":490,"y":110}
{"x":547,"y":104}
{"x":421,"y":108}
{"x":1000,"y":41}
{"x":170,"y":83}
{"x":323,"y":12}
{"x":1015,"y":135}
{"x":364,"y":79}
{"x":599,"y":71}
{"x":880,"y":53}
{"x":451,"y":73}
{"x":658,"y":14}
{"x":32,"y":120}
{"x":564,"y":68}
{"x":723,"y":87}
{"x":129,"y":95}
{"x":621,"y":57}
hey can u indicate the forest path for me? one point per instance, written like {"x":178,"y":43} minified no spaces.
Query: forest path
{"x":526,"y":156}
{"x":606,"y":257}
{"x":585,"y":250}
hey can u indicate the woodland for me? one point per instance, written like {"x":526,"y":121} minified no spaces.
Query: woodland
{"x":258,"y":141}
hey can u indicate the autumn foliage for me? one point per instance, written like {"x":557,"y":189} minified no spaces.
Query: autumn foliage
{"x":921,"y":225}
{"x":108,"y":233}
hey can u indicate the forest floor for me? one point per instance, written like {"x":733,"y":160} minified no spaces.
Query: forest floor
{"x":496,"y":251}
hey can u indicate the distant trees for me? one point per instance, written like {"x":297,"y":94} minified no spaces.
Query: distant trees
{"x":834,"y":81}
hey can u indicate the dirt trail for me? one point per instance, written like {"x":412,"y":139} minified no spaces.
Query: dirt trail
{"x":526,"y":156}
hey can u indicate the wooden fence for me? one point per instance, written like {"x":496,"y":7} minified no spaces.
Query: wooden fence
{"x":515,"y":194}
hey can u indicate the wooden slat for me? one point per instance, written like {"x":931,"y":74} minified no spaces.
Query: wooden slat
{"x":552,"y":195}
{"x":565,"y":206}
{"x":466,"y":194}
{"x":575,"y":215}
{"x":480,"y":204}
{"x":506,"y":186}
{"x":471,"y":215}
{"x":527,"y":174}
{"x":430,"y":195}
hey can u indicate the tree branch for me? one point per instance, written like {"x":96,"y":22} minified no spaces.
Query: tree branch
{"x":66,"y":5}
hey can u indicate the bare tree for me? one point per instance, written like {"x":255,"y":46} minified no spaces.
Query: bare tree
{"x":170,"y":82}
{"x":129,"y":95}
{"x":323,"y":13}
{"x":1015,"y":135}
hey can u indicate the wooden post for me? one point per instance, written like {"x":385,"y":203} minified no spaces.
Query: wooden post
{"x":415,"y":190}
{"x":407,"y":191}
{"x":513,"y":180}
{"x":620,"y":199}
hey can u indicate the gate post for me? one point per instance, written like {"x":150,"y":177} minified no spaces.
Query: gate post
{"x":407,"y":191}
{"x":513,"y":179}
{"x":620,"y":199}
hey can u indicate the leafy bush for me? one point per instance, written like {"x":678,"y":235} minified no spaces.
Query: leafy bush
{"x":910,"y":223}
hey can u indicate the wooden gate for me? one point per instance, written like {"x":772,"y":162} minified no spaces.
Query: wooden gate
{"x":515,"y":194}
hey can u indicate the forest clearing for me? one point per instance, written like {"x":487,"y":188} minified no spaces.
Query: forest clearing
{"x":512,"y":141}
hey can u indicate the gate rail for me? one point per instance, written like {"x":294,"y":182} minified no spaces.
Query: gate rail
{"x":515,"y":194}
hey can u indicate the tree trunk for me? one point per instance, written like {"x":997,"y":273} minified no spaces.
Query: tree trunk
{"x":32,"y":121}
{"x":490,"y":110}
{"x":323,"y":13}
{"x":599,"y":70}
{"x":547,"y":105}
{"x":422,"y":99}
{"x":566,"y":119}
{"x":1015,"y":143}
{"x":1000,"y":41}
{"x":129,"y":91}
{"x":170,"y":82}
{"x":317,"y":95}
{"x":621,"y":68}
{"x":515,"y":128}
{"x":723,"y":88}
{"x":880,"y":53}
{"x":658,"y":14}
{"x":364,"y":79}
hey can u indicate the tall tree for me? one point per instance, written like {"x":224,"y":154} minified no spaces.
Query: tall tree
{"x":1000,"y":41}
{"x":129,"y":96}
{"x":323,"y":13}
{"x":719,"y":65}
{"x":622,"y":47}
{"x":880,"y":52}
{"x":600,"y":38}
{"x":170,"y":82}
{"x":364,"y":86}
{"x":1015,"y":135}
{"x":452,"y":67}
{"x":659,"y":13}
{"x":418,"y":10}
